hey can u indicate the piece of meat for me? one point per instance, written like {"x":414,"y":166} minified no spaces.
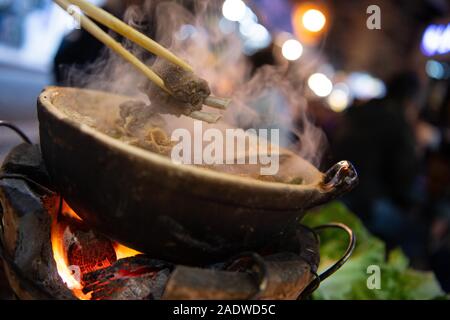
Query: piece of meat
{"x":188,"y":90}
{"x":139,"y":125}
{"x":155,"y":140}
{"x":136,"y":117}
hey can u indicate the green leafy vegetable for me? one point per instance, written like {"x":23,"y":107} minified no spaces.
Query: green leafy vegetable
{"x":357,"y":279}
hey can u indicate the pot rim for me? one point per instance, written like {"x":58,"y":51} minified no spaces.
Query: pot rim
{"x":46,"y":101}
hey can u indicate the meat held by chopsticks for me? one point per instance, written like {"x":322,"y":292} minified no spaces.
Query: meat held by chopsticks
{"x":188,"y":92}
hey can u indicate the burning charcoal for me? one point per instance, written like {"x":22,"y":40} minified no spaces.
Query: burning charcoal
{"x":135,"y":278}
{"x":188,"y":91}
{"x":145,"y":287}
{"x":90,"y":251}
{"x":25,"y":225}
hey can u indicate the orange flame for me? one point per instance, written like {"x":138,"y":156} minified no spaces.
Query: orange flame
{"x":71,"y":275}
{"x":68,"y":211}
{"x":124,"y":252}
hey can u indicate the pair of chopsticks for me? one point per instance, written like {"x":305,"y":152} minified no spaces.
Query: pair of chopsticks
{"x":115,"y":24}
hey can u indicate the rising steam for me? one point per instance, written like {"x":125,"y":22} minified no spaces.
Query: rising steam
{"x":273,"y":97}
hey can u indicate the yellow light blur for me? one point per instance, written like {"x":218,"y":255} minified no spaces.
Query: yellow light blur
{"x":314,"y":20}
{"x":310,"y":20}
{"x":338,"y":100}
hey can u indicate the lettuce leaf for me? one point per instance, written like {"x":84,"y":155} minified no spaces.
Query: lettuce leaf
{"x":397,"y":280}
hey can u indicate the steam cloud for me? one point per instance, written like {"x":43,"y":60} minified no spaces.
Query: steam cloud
{"x":273,"y":97}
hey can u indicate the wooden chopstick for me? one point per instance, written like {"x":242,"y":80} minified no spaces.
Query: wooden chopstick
{"x":132,"y":34}
{"x":128,"y":32}
{"x":216,"y":102}
{"x":205,"y":116}
{"x":103,"y":37}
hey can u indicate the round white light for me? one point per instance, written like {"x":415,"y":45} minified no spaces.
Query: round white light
{"x":247,"y":27}
{"x":292,"y":49}
{"x":258,"y":38}
{"x":234,"y":10}
{"x":313,"y":20}
{"x":260,"y":34}
{"x":339,"y":99}
{"x":320,"y":84}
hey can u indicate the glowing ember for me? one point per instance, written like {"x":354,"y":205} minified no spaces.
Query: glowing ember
{"x":72,"y":275}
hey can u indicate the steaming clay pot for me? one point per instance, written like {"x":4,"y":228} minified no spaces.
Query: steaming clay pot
{"x":183,"y":214}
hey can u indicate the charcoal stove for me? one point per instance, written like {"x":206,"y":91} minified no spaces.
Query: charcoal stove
{"x":48,"y":252}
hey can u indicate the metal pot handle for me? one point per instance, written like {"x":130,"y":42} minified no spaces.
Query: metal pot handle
{"x":313,"y":285}
{"x":16,"y":130}
{"x":340,"y":178}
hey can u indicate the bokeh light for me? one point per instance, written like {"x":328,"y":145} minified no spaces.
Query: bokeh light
{"x":364,"y":86}
{"x":435,"y":69}
{"x":314,"y":20}
{"x":258,"y":38}
{"x":292,"y":49}
{"x":320,"y":84}
{"x":436,"y":40}
{"x":340,"y":98}
{"x":234,"y":10}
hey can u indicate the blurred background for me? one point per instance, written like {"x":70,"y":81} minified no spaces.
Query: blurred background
{"x":378,"y":85}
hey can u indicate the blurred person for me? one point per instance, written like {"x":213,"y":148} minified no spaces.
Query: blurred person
{"x":438,"y":185}
{"x":378,"y":138}
{"x":439,"y":205}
